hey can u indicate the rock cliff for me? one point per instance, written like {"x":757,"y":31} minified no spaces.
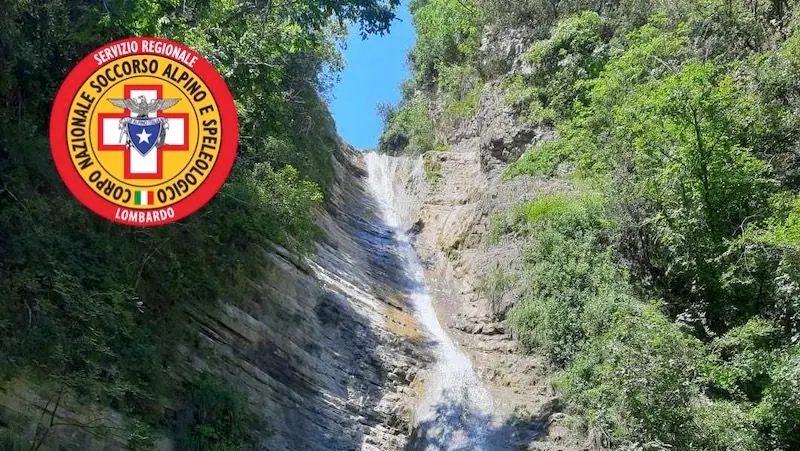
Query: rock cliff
{"x":328,"y":352}
{"x":325,"y":353}
{"x":453,"y":223}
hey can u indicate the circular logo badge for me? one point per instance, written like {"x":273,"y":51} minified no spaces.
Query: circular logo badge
{"x":144,"y":131}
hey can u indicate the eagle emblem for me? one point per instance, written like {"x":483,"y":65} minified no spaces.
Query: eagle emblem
{"x":142,"y":132}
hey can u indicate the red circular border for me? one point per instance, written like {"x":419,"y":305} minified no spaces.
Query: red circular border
{"x":93,"y":201}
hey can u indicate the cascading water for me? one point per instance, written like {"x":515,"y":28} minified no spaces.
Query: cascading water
{"x":454,"y":413}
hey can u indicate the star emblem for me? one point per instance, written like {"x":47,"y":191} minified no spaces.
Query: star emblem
{"x":144,"y":137}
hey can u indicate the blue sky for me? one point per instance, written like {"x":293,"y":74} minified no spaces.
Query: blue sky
{"x":374,"y":69}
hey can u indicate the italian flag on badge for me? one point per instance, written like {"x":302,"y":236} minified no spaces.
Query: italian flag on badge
{"x":143,"y":198}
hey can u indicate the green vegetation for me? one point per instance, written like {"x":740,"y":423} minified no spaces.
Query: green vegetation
{"x":216,"y":419}
{"x":461,"y":88}
{"x":408,"y":127}
{"x":544,"y":159}
{"x":562,"y":66}
{"x":493,"y":285}
{"x":665,"y":285}
{"x":570,"y":269}
{"x":99,"y":309}
{"x":448,"y":34}
{"x":466,"y":104}
{"x":444,"y":60}
{"x":432,"y":167}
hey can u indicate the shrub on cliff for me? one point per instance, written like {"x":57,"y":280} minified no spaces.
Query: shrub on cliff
{"x":215,"y":417}
{"x":562,"y":65}
{"x":447,"y":33}
{"x":568,"y":262}
{"x":409,"y":128}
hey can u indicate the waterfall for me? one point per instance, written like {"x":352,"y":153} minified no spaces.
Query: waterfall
{"x":454,"y":412}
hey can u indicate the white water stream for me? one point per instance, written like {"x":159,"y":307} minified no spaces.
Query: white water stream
{"x":454,"y":412}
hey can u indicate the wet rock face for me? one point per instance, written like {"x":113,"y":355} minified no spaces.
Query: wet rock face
{"x":325,"y":353}
{"x":476,"y":279}
{"x":329,"y":350}
{"x":455,"y":243}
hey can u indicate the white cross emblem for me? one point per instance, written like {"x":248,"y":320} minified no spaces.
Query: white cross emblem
{"x":149,"y":165}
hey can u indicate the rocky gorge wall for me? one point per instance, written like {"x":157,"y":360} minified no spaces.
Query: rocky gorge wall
{"x":324,"y":354}
{"x":464,"y":193}
{"x":329,"y":352}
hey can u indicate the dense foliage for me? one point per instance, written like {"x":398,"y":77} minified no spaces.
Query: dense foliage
{"x":665,"y":285}
{"x":444,"y":59}
{"x":100,"y":309}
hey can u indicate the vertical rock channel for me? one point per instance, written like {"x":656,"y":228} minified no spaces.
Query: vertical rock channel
{"x":453,"y":411}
